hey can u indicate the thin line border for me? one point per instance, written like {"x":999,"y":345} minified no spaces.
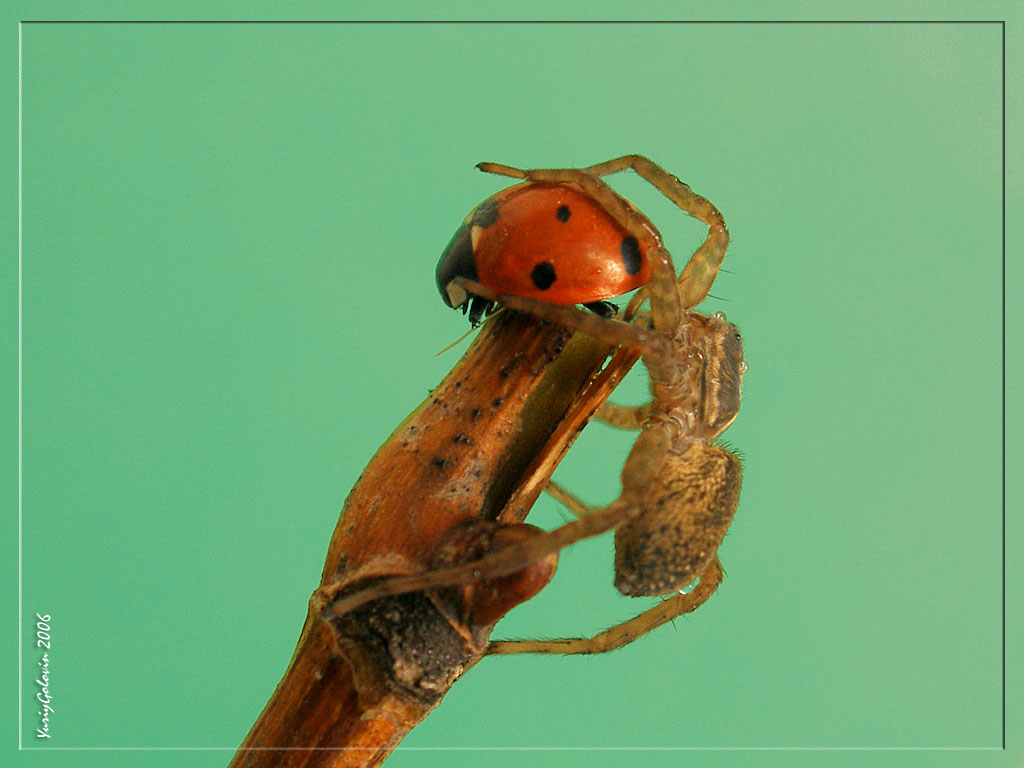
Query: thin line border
{"x":20,"y":625}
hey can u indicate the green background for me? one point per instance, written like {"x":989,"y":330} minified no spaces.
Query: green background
{"x":229,"y":234}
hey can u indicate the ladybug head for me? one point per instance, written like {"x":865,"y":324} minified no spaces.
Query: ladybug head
{"x":458,"y":261}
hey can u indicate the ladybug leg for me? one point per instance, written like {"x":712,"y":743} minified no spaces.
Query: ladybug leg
{"x":700,"y":272}
{"x":602,"y":308}
{"x":625,"y":633}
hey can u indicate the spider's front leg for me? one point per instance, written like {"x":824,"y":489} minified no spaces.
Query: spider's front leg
{"x":611,"y":330}
{"x":614,"y":332}
{"x":665,"y":306}
{"x":699,"y":274}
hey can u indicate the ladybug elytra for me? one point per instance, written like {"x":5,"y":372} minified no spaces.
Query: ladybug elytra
{"x":547,"y":241}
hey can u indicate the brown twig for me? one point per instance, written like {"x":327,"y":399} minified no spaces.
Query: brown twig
{"x":455,"y":480}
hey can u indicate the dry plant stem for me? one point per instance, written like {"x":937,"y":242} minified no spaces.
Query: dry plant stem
{"x":481,"y":447}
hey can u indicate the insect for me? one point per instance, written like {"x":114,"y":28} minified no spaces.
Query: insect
{"x":680,"y":489}
{"x":547,"y":241}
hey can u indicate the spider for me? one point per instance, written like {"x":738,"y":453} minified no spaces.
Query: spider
{"x":679,"y":488}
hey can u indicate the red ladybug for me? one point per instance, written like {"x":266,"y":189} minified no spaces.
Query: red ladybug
{"x":546,"y":241}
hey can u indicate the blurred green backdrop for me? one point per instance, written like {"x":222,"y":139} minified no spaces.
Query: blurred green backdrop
{"x":229,"y":236}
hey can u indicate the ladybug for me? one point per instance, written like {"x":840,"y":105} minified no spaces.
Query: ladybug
{"x":542,"y":240}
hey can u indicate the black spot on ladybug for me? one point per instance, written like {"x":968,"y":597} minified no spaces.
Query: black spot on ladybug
{"x":485,"y":214}
{"x":543,"y":275}
{"x":562,"y":214}
{"x":630,"y":250}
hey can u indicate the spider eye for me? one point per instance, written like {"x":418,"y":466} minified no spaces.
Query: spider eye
{"x":737,"y":337}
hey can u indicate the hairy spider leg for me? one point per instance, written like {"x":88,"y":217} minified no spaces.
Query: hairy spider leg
{"x":700,"y":272}
{"x":568,"y":499}
{"x":626,"y":632}
{"x":664,"y":299}
{"x":623,"y":416}
{"x":608,"y":329}
{"x":617,"y":636}
{"x":501,"y":563}
{"x":702,"y":269}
